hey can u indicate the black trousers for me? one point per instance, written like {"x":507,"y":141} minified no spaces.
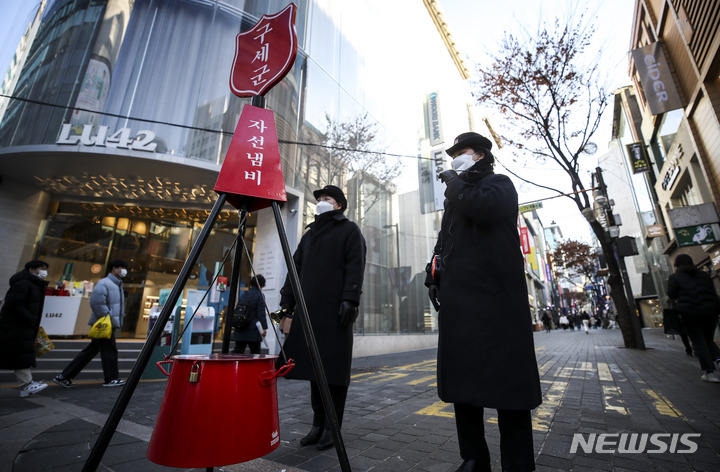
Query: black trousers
{"x":516,"y":441}
{"x":108,"y":358}
{"x":240,"y":347}
{"x":701,"y":330}
{"x":338,"y":393}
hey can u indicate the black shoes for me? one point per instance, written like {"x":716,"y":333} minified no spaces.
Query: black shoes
{"x":473,"y":466}
{"x":326,"y":441}
{"x":318,"y":435}
{"x":312,"y":437}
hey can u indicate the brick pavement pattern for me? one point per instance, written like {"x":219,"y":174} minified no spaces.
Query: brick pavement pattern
{"x":395,"y":422}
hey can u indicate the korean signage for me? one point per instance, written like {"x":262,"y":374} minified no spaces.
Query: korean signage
{"x":432,"y":109}
{"x":252,"y":166}
{"x":525,"y":240}
{"x":530,"y":207}
{"x":264,"y":54}
{"x":654,"y":231}
{"x":638,"y":158}
{"x":656,"y":79}
{"x":439,"y":159}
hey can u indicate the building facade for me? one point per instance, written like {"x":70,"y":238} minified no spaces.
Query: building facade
{"x":675,"y":69}
{"x":116,"y":120}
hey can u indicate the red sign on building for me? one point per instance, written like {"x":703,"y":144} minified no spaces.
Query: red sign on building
{"x":264,"y":54}
{"x":252,"y":174}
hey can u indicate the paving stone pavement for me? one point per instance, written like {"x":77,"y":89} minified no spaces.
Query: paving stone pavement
{"x":394,"y":421}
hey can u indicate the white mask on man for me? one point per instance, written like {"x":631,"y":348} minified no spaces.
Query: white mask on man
{"x":123,"y":273}
{"x":323,"y":207}
{"x":463,"y":162}
{"x":42,"y":273}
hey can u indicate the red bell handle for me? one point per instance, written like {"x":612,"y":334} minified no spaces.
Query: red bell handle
{"x":266,"y":379}
{"x":166,"y":361}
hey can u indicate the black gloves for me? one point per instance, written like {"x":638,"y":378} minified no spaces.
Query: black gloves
{"x":433,"y":293}
{"x":447,"y":176}
{"x":348,"y":313}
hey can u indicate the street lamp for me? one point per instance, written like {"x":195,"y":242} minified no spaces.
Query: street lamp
{"x":611,"y":226}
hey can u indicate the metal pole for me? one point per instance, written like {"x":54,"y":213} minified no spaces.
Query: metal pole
{"x":123,"y":399}
{"x":234,"y":281}
{"x":302,"y":313}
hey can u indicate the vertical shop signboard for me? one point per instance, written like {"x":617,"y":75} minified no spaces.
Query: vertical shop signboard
{"x":638,"y":157}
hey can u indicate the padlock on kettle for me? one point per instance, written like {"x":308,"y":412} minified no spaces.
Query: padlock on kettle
{"x":194,"y":373}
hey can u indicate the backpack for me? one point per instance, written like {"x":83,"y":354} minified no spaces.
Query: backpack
{"x":241,"y":315}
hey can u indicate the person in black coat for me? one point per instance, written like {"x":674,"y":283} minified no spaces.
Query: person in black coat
{"x":250,"y":335}
{"x":698,"y":304}
{"x":486,"y":355}
{"x":330,"y":262}
{"x":19,"y":322}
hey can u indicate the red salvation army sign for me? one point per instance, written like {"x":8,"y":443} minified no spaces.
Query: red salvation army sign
{"x":264,"y":54}
{"x":252,"y":174}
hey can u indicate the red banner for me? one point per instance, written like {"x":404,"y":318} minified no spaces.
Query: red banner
{"x":252,"y":173}
{"x":525,"y":240}
{"x":264,"y":54}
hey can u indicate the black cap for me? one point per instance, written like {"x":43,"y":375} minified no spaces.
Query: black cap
{"x":118,"y":263}
{"x":332,"y":191}
{"x":469,"y":140}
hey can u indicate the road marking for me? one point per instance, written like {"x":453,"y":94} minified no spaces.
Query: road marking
{"x":545,"y":412}
{"x":604,"y":372}
{"x":387,"y":376}
{"x":612,"y":398}
{"x":422,"y":380}
{"x":663,"y":405}
{"x":437,"y":409}
{"x":362,"y":375}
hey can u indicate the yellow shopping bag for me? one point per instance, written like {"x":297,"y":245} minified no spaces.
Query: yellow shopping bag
{"x":42,"y":342}
{"x":102,"y":329}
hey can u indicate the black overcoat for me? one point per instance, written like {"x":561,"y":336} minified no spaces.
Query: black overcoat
{"x":330,"y":262}
{"x":693,"y":292}
{"x":486,"y":354}
{"x":19,"y":320}
{"x":253,"y":298}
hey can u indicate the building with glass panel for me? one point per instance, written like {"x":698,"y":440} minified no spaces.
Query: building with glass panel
{"x":114,"y":121}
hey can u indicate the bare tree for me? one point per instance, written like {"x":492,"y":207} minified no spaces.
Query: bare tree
{"x":352,"y":147}
{"x":554,"y":104}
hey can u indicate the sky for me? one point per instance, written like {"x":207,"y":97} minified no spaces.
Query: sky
{"x":477,"y":27}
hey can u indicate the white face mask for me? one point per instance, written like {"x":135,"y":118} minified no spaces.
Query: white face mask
{"x":42,"y":273}
{"x":323,"y":207}
{"x":463,"y":162}
{"x":123,"y":273}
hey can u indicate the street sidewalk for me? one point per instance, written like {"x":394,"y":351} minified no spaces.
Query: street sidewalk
{"x":394,"y":421}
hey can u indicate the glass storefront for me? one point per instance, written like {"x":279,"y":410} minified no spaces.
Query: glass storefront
{"x":147,"y":81}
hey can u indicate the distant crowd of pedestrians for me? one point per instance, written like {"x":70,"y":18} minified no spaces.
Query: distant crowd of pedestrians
{"x":573,"y":320}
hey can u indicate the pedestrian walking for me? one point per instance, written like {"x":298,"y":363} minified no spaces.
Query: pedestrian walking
{"x":585,"y":321}
{"x":564,"y":322}
{"x":107,"y":298}
{"x":330,"y":261}
{"x":20,"y":318}
{"x":486,"y":356}
{"x":546,"y":321}
{"x":255,"y":302}
{"x":698,"y":304}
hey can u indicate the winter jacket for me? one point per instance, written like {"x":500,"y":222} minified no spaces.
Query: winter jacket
{"x":19,"y":320}
{"x":486,"y":355}
{"x":108,"y":299}
{"x":253,"y":298}
{"x":694,"y":293}
{"x":330,"y":262}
